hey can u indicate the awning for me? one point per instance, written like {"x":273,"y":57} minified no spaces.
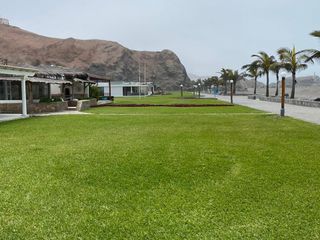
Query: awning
{"x":36,"y":80}
{"x":83,"y":81}
{"x":17,"y":79}
{"x":48,"y":80}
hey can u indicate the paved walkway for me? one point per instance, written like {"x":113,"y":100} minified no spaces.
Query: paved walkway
{"x":308,"y":114}
{"x":58,"y":113}
{"x":10,"y":117}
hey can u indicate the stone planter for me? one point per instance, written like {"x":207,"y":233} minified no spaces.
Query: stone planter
{"x":83,"y":105}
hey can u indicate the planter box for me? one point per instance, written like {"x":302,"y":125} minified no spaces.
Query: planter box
{"x":83,"y":105}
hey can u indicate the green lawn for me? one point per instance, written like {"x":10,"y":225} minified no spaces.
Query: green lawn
{"x":172,"y":98}
{"x":160,"y":173}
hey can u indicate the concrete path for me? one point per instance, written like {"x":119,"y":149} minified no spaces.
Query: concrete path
{"x":59,"y":113}
{"x":308,"y":114}
{"x":10,"y":117}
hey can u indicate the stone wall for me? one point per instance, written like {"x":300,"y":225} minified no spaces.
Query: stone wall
{"x":34,"y":108}
{"x":83,"y":105}
{"x":11,"y":108}
{"x":47,"y":107}
{"x":299,"y":102}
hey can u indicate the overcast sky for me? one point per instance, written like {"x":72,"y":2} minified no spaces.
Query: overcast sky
{"x":206,"y":34}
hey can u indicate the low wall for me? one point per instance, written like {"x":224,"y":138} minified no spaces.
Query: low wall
{"x":34,"y":108}
{"x":11,"y":108}
{"x":83,"y":105}
{"x":298,"y":102}
{"x":48,"y":107}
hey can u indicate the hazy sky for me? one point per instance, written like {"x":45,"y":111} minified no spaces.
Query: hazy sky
{"x":206,"y":34}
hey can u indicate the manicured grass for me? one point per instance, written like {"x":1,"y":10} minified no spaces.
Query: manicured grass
{"x":172,"y":98}
{"x":160,"y":173}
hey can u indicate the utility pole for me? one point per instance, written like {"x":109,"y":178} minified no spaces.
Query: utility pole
{"x":145,"y":78}
{"x":145,"y":72}
{"x":231,"y":94}
{"x":139,"y":81}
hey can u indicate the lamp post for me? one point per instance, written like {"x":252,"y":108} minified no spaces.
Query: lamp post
{"x":231,"y":94}
{"x":181,"y":87}
{"x":283,"y":93}
{"x":199,"y":88}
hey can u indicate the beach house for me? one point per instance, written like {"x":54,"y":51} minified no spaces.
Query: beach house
{"x":40,"y":89}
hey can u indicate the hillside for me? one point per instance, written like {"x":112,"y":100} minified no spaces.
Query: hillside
{"x":307,"y":81}
{"x":100,"y":57}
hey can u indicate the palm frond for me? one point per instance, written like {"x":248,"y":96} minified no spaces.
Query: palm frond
{"x":257,"y":56}
{"x":312,"y":54}
{"x":302,"y":66}
{"x":315,"y":34}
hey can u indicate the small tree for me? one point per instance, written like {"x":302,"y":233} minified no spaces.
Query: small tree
{"x":236,"y":77}
{"x":265,"y":62}
{"x":276,"y":67}
{"x":293,"y":61}
{"x":94,"y":92}
{"x":225,"y":76}
{"x":253,"y":71}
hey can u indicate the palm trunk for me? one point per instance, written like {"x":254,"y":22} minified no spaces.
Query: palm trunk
{"x":293,"y":89}
{"x":234,"y":87}
{"x":225,"y":87}
{"x":267,"y":90}
{"x":255,"y":86}
{"x":277,"y":90}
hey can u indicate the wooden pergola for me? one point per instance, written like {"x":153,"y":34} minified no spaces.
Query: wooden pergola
{"x":23,"y":74}
{"x":98,"y":79}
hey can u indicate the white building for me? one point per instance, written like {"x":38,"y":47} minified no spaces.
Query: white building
{"x":123,"y":89}
{"x":4,"y":21}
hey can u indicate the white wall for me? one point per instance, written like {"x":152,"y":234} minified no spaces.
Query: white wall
{"x":117,"y":88}
{"x":55,"y":89}
{"x":117,"y":91}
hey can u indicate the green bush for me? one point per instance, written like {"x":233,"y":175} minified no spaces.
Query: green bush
{"x":94,"y":92}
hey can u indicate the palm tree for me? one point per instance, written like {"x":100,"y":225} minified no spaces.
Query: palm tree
{"x":253,"y":71}
{"x":265,"y":62}
{"x":235,"y":76}
{"x":275,"y":68}
{"x":293,"y":61}
{"x":210,"y":81}
{"x":225,"y":76}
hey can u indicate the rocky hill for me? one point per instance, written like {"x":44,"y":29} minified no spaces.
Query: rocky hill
{"x":99,"y":57}
{"x":195,"y":77}
{"x":307,"y":81}
{"x":249,"y":83}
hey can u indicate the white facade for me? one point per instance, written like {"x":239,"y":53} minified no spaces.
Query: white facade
{"x":4,"y":21}
{"x":78,"y":90}
{"x":124,"y":89}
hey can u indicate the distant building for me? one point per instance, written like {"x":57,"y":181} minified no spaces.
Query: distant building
{"x":34,"y":89}
{"x":124,"y":89}
{"x":4,"y":21}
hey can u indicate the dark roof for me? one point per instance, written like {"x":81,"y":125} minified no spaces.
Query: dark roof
{"x":94,"y":77}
